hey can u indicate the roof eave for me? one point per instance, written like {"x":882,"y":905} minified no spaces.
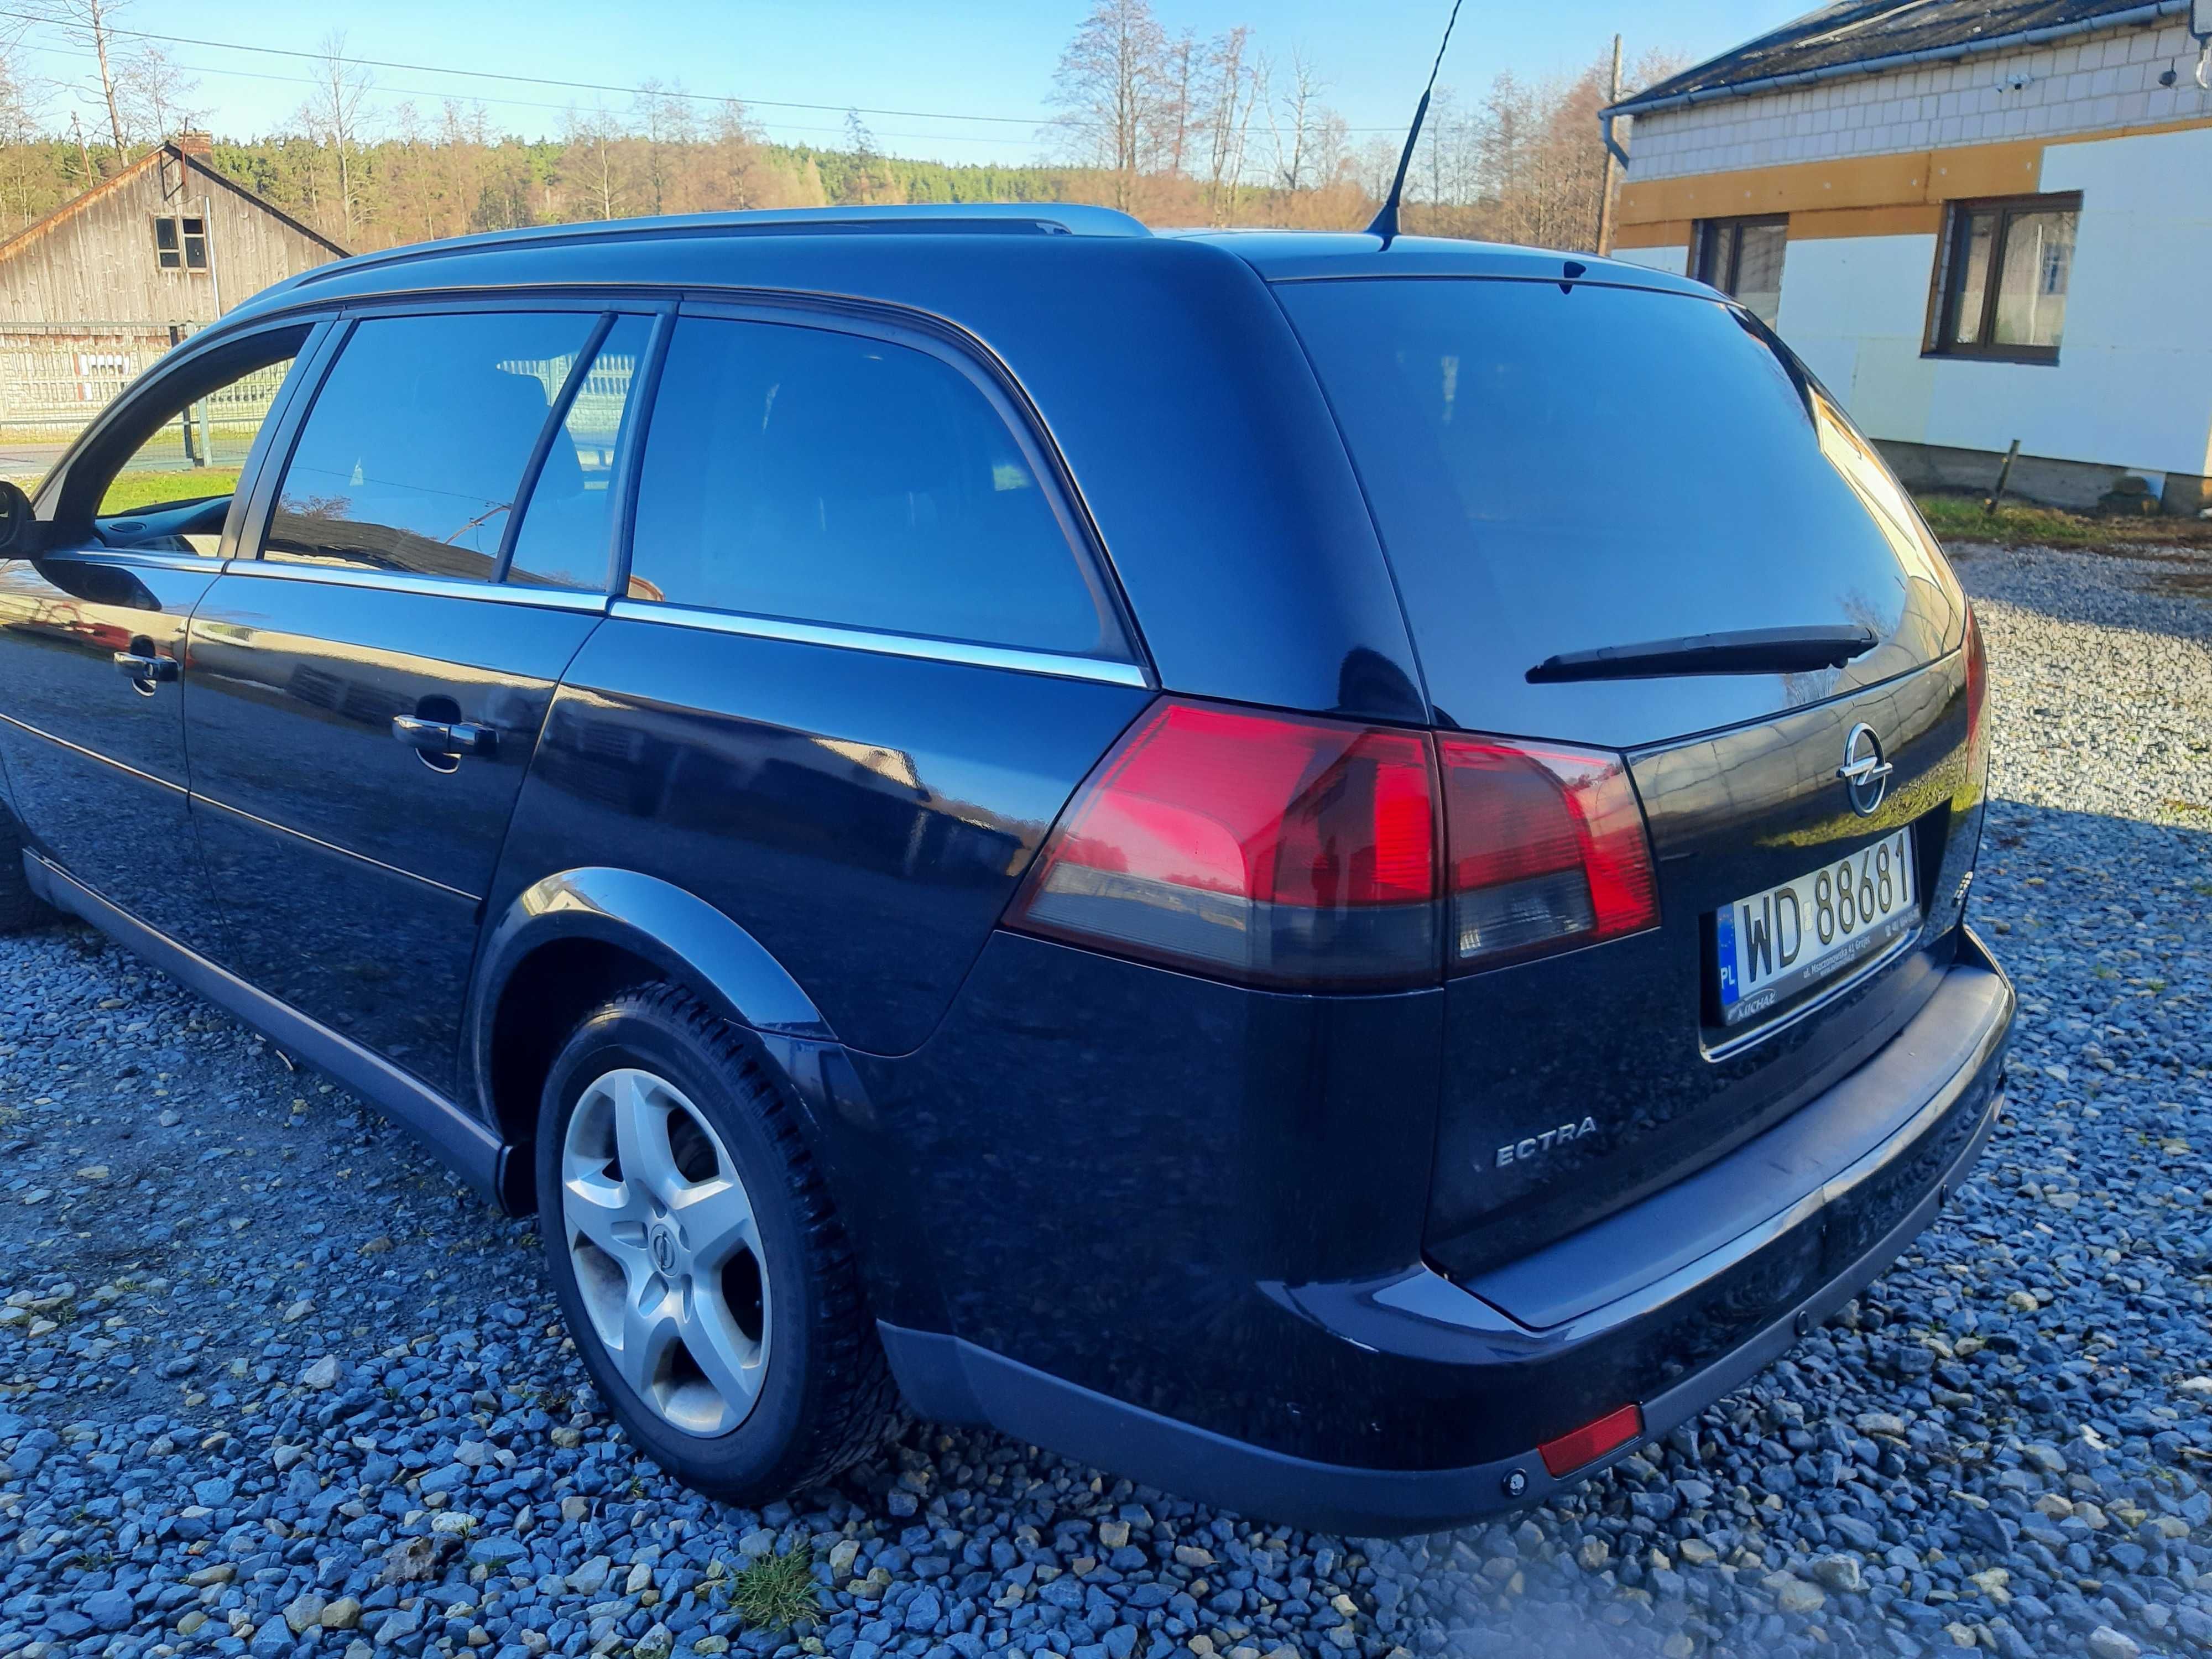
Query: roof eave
{"x":2043,"y":35}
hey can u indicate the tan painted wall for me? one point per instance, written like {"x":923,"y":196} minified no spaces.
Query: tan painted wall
{"x":1897,"y":195}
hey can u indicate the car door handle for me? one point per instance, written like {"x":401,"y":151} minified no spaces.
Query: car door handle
{"x":147,"y":670}
{"x":445,"y":737}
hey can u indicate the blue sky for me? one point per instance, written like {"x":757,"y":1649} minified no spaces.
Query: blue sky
{"x":994,"y":57}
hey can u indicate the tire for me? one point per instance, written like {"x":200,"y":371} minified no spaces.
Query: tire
{"x":20,"y":908}
{"x":756,"y":1369}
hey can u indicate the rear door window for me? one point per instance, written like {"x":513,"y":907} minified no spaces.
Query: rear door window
{"x":840,"y":478}
{"x":566,"y":537}
{"x":1556,"y":471}
{"x":412,"y":456}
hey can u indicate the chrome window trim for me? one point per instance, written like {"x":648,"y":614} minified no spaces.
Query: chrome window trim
{"x":130,"y":558}
{"x":1049,"y":662}
{"x":450,"y":587}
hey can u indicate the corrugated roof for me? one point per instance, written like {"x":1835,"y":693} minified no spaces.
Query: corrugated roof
{"x":1869,"y":34}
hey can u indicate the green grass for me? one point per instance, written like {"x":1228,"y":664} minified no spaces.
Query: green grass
{"x":777,"y":1590}
{"x":128,"y":491}
{"x":1959,"y":517}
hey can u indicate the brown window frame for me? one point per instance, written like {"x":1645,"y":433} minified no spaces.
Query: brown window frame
{"x":186,"y":247}
{"x":1705,"y":231}
{"x":1947,"y":290}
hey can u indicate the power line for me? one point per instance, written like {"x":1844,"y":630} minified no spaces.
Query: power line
{"x":777,"y":123}
{"x":1032,"y":122}
{"x":531,"y":80}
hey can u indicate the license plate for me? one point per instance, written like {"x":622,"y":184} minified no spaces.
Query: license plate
{"x":1775,"y":943}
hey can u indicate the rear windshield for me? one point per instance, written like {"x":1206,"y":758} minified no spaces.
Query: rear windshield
{"x":1561,"y":471}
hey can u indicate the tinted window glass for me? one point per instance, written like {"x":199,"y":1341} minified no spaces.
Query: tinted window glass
{"x":564,"y":541}
{"x":196,"y":453}
{"x":412,"y":454}
{"x":1557,"y":472}
{"x":831,"y":479}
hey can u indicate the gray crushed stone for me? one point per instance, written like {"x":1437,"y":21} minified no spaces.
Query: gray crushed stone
{"x":271,"y":1384}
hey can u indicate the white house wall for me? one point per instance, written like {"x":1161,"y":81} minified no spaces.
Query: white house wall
{"x":1674,"y":260}
{"x":1854,"y":307}
{"x":2132,"y":387}
{"x":2133,"y":384}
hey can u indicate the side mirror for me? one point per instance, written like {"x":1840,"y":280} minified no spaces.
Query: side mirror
{"x":18,"y":529}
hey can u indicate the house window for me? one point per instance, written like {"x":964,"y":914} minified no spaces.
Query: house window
{"x":2000,"y":278}
{"x":1743,"y":257}
{"x":180,"y":244}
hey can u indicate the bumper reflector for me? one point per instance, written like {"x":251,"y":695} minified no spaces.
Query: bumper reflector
{"x":1592,"y":1441}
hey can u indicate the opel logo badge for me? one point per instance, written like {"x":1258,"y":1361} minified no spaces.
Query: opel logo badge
{"x":662,"y":1244}
{"x":1864,"y":772}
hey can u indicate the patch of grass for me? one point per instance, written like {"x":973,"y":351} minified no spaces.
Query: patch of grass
{"x":129,"y":491}
{"x":777,"y":1590}
{"x":1959,"y":517}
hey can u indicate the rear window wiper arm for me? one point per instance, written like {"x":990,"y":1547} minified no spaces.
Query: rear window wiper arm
{"x":1745,"y":651}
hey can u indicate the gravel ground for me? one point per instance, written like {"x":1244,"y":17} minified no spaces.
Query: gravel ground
{"x":270,"y":1384}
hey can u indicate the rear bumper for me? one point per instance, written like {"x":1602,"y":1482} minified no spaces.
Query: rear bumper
{"x":1669,"y":1304}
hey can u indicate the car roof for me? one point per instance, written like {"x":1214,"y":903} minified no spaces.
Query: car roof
{"x":1297,"y":255}
{"x":694,"y":250}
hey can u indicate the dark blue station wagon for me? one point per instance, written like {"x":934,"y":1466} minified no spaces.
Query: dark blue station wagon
{"x":1327,"y":873}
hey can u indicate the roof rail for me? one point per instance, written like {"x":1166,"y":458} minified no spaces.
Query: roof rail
{"x":1005,"y":218}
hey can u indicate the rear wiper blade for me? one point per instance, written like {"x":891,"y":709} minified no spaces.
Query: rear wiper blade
{"x":1745,"y":651}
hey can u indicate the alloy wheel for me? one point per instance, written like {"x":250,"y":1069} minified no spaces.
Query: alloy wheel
{"x":667,"y":1251}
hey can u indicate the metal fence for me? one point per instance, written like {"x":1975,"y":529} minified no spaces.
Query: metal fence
{"x":55,"y":376}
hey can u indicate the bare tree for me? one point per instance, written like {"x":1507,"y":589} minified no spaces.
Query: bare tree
{"x":93,"y":23}
{"x":155,"y":88}
{"x":335,"y":115}
{"x":1233,"y":86}
{"x":734,"y":143}
{"x":1376,"y":165}
{"x":666,"y":128}
{"x":591,"y":159}
{"x":1184,"y":65}
{"x":1111,"y":88}
{"x":1299,"y":105}
{"x":87,"y":172}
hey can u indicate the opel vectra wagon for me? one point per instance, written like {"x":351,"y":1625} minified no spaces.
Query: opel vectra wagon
{"x":1329,"y":873}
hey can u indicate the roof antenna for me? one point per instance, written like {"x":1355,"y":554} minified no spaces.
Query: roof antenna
{"x":1385,"y":223}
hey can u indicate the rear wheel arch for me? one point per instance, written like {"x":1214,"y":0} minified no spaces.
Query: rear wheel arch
{"x":570,"y":942}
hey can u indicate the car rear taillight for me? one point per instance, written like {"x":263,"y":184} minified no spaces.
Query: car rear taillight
{"x":1284,"y":850}
{"x":1266,"y":847}
{"x":1544,"y":850}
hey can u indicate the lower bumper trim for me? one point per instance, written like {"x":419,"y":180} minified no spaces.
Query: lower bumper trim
{"x":948,"y":1380}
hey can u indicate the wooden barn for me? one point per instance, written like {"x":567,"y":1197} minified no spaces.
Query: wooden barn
{"x":95,"y":291}
{"x":168,"y":240}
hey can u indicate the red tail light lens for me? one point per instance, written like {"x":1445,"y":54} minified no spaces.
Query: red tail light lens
{"x":1259,"y":847}
{"x":1544,"y":850}
{"x":1282,"y":850}
{"x":1592,"y":1441}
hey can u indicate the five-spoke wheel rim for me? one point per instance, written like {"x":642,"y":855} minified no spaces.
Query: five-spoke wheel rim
{"x":667,"y":1251}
